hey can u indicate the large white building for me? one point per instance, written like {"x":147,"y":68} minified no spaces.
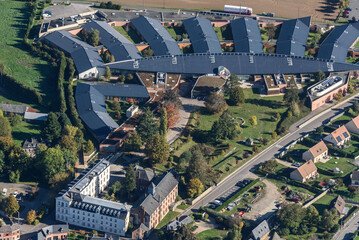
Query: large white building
{"x":79,"y":204}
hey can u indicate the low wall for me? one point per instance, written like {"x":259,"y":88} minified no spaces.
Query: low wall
{"x":315,"y":199}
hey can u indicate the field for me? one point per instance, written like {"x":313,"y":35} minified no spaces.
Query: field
{"x":212,"y":234}
{"x":25,"y":131}
{"x":32,"y":71}
{"x":319,"y":10}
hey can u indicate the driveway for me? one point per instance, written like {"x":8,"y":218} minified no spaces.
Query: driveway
{"x":203,"y":226}
{"x":354,"y":5}
{"x":266,"y":204}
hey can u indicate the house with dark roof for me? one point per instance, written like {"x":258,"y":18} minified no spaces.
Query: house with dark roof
{"x":338,"y":137}
{"x":202,"y":35}
{"x":53,"y":232}
{"x":307,"y":171}
{"x":316,"y":153}
{"x":176,"y":223}
{"x":293,"y":36}
{"x":353,"y":125}
{"x":30,"y":146}
{"x":335,"y":46}
{"x":143,"y":177}
{"x":86,"y":58}
{"x":354,"y":178}
{"x":261,"y":231}
{"x":339,"y":205}
{"x":155,"y":204}
{"x":118,"y":45}
{"x":161,"y":42}
{"x":14,"y":108}
{"x":90,"y":102}
{"x":246,"y":35}
{"x":10,"y":232}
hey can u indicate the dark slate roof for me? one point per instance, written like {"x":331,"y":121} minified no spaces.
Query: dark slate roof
{"x":14,"y":108}
{"x":156,"y":35}
{"x":293,"y":37}
{"x":202,"y":35}
{"x":84,"y":55}
{"x":144,"y":174}
{"x":337,"y":43}
{"x":246,"y":35}
{"x":119,"y":46}
{"x":163,"y":186}
{"x":52,"y":229}
{"x":355,"y":175}
{"x":262,"y":229}
{"x":90,"y":102}
{"x":236,"y":63}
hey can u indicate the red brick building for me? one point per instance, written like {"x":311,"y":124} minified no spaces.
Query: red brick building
{"x":10,"y":232}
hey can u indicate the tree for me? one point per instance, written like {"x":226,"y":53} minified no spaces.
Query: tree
{"x":2,"y":161}
{"x":129,"y":77}
{"x":356,"y":106}
{"x":225,"y":127}
{"x":51,"y":162}
{"x":89,"y":147}
{"x":68,"y":142}
{"x":264,"y":141}
{"x":235,"y":233}
{"x":52,"y":128}
{"x":15,"y":120}
{"x":319,"y":76}
{"x":253,"y":121}
{"x":121,"y":78}
{"x":11,"y":206}
{"x":133,"y":141}
{"x":338,"y":96}
{"x":130,"y":179}
{"x":93,"y":37}
{"x":163,"y":123}
{"x":291,"y":217}
{"x":198,"y":168}
{"x":215,"y":103}
{"x":157,"y":149}
{"x":294,"y":108}
{"x":236,"y":96}
{"x":292,"y":93}
{"x":172,"y":97}
{"x":274,"y":135}
{"x":350,"y":89}
{"x":255,"y":149}
{"x":195,"y":187}
{"x":147,"y":126}
{"x":232,"y":82}
{"x":31,"y":216}
{"x":5,"y":127}
{"x":329,"y":219}
{"x":115,"y":106}
{"x":148,"y":52}
{"x":269,"y":166}
{"x":107,"y":75}
{"x":182,"y":233}
{"x":173,"y":114}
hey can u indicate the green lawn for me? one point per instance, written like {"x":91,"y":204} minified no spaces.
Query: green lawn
{"x":344,"y":164}
{"x":324,"y":203}
{"x":30,"y":70}
{"x":183,"y":206}
{"x":172,"y":32}
{"x":212,"y":234}
{"x":219,"y":33}
{"x":124,"y":33}
{"x":25,"y":131}
{"x":168,"y":218}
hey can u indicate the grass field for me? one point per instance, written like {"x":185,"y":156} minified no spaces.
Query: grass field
{"x":212,"y":234}
{"x":32,"y":71}
{"x":25,"y":131}
{"x":319,"y":10}
{"x":324,"y":203}
{"x":168,"y":218}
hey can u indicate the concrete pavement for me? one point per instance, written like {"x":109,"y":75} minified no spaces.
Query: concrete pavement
{"x":295,"y":132}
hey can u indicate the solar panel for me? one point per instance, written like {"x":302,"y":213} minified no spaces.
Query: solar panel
{"x":346,"y":135}
{"x":339,"y":139}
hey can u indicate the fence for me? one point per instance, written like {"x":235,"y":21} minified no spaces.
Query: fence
{"x":315,"y":199}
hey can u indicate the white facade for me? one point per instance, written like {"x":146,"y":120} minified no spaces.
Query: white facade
{"x":80,"y":206}
{"x":91,"y":73}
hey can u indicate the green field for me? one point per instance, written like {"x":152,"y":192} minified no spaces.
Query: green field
{"x":212,"y":234}
{"x":324,"y":202}
{"x":32,"y":71}
{"x":25,"y":131}
{"x":167,"y":219}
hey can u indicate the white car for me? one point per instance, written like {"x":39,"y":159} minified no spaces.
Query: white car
{"x":15,"y":194}
{"x":4,"y":191}
{"x":217,"y":202}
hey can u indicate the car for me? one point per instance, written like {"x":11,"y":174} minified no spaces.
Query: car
{"x":296,"y":164}
{"x":348,"y":9}
{"x":217,"y":202}
{"x":240,"y":184}
{"x":246,"y":195}
{"x":4,"y":191}
{"x":15,"y":194}
{"x":247,"y":181}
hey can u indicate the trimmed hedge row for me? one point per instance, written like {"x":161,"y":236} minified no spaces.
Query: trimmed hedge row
{"x":243,"y":190}
{"x":33,"y":8}
{"x":353,"y":210}
{"x":71,"y":108}
{"x":61,"y":103}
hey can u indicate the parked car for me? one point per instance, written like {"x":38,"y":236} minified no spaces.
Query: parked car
{"x":348,"y":9}
{"x":240,"y":184}
{"x":4,"y":191}
{"x":217,"y":202}
{"x":296,"y":164}
{"x":247,"y":181}
{"x":15,"y":194}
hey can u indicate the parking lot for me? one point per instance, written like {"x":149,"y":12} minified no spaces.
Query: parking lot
{"x":354,"y":5}
{"x":63,"y":11}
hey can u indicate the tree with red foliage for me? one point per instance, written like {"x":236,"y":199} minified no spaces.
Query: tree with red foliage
{"x":172,"y":114}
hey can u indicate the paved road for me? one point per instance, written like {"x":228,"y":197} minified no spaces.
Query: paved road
{"x":308,"y":124}
{"x":348,"y":229}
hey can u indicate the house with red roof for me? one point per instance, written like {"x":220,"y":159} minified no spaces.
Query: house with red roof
{"x":307,"y":171}
{"x":338,"y":137}
{"x":353,"y":125}
{"x":316,"y":153}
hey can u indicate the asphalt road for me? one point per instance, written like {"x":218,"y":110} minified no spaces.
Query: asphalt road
{"x":348,"y":229}
{"x":308,"y":124}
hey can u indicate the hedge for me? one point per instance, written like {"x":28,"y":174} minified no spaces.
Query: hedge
{"x":33,"y":8}
{"x":235,"y":196}
{"x":351,"y":212}
{"x":71,"y":108}
{"x":14,"y":87}
{"x":61,"y":103}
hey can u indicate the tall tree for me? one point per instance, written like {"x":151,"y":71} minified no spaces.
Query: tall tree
{"x":31,"y":216}
{"x":157,"y":149}
{"x":292,"y":93}
{"x":147,"y":126}
{"x":171,"y":96}
{"x":198,"y":168}
{"x":225,"y":127}
{"x":89,"y":147}
{"x":52,"y":128}
{"x":133,"y":141}
{"x":130,"y":179}
{"x":5,"y":127}
{"x":51,"y":162}
{"x":291,"y":217}
{"x":11,"y":206}
{"x":195,"y":187}
{"x":253,"y":121}
{"x":107,"y":75}
{"x":215,"y":103}
{"x":236,"y":96}
{"x":163,"y":123}
{"x":329,"y":219}
{"x":319,"y":76}
{"x":93,"y":37}
{"x":173,"y":114}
